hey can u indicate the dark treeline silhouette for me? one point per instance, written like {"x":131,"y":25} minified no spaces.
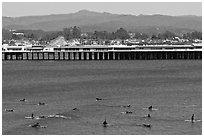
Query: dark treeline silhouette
{"x":6,"y":35}
{"x":193,"y":35}
{"x":72,"y":32}
{"x":119,"y":34}
{"x":75,"y":33}
{"x":141,"y":36}
{"x":166,"y":35}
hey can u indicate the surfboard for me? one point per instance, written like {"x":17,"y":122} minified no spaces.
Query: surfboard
{"x":153,"y":109}
{"x":38,"y":126}
{"x":57,"y":116}
{"x":41,"y":104}
{"x":29,"y":117}
{"x":9,"y":110}
{"x":189,"y":120}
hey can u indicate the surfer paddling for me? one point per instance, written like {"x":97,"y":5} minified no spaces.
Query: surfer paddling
{"x":75,"y":109}
{"x":98,"y":99}
{"x":23,"y":100}
{"x":147,"y":125}
{"x":36,"y":125}
{"x":128,"y":112}
{"x":41,"y":103}
{"x":126,"y":106}
{"x":9,"y":110}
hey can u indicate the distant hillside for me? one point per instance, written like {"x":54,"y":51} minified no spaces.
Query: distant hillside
{"x":91,"y":21}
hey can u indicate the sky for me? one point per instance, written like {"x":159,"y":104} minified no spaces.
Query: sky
{"x":16,"y":9}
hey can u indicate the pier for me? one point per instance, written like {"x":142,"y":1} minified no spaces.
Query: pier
{"x":109,"y":55}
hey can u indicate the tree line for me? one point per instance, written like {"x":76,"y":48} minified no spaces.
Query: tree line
{"x":75,"y":33}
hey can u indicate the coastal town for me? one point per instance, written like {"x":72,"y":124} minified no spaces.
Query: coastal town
{"x":74,"y":39}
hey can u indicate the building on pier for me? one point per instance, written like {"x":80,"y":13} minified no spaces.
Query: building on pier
{"x":99,"y":48}
{"x":105,"y":48}
{"x":106,"y":52}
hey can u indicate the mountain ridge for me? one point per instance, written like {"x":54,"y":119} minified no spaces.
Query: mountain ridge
{"x":102,"y":21}
{"x":88,"y":11}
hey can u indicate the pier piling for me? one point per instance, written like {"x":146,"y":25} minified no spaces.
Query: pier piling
{"x":137,"y":55}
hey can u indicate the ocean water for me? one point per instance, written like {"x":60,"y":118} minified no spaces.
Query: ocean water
{"x":172,"y":87}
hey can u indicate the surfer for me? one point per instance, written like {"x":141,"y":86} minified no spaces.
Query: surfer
{"x":97,"y":99}
{"x":42,"y":116}
{"x":126,"y":106}
{"x":192,"y":118}
{"x":150,"y":107}
{"x":147,"y":125}
{"x":41,"y":103}
{"x":148,"y":116}
{"x":36,"y":125}
{"x":105,"y":123}
{"x":75,"y":109}
{"x":32,"y":116}
{"x":23,"y":100}
{"x":9,"y":110}
{"x":128,"y":112}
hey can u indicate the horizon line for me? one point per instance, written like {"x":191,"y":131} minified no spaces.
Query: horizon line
{"x":101,"y":13}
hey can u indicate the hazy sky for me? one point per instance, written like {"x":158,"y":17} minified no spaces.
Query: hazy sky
{"x":14,"y":9}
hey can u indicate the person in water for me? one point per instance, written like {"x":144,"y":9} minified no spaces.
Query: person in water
{"x":128,"y":112}
{"x":23,"y":99}
{"x":75,"y":109}
{"x":32,"y":115}
{"x":192,"y":118}
{"x":9,"y":110}
{"x":150,"y":107}
{"x":36,"y":125}
{"x":105,"y":123}
{"x":147,"y":116}
{"x":41,"y":103}
{"x":97,"y":99}
{"x":128,"y":105}
{"x":147,"y":125}
{"x":42,"y":116}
